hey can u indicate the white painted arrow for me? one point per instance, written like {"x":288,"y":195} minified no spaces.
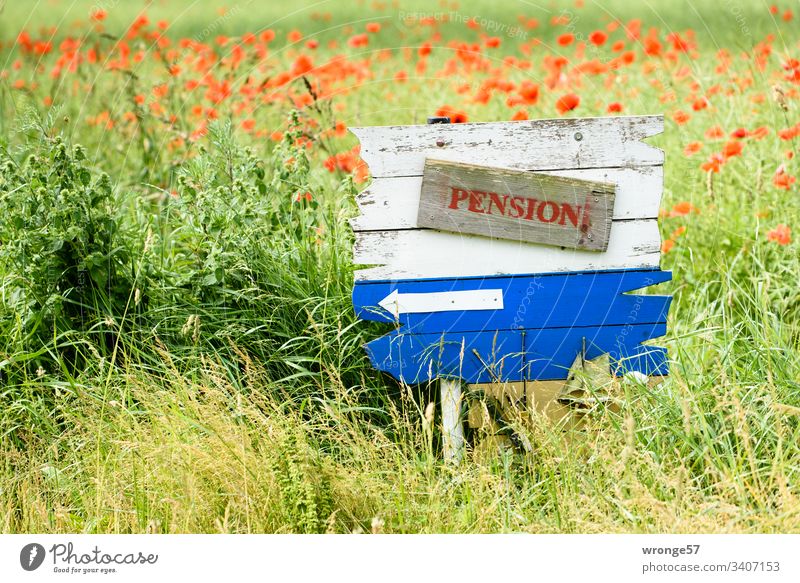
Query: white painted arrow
{"x":451,"y":301}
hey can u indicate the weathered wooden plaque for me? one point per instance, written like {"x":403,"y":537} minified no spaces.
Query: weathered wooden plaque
{"x":516,"y":205}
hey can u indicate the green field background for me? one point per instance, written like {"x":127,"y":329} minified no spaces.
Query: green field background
{"x":216,"y":381}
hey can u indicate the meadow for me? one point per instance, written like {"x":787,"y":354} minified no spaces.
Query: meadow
{"x":178,"y":348}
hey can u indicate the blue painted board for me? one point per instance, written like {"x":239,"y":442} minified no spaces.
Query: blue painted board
{"x":515,"y":355}
{"x":530,"y":301}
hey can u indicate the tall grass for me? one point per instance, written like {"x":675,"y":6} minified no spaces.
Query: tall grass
{"x":193,"y":364}
{"x":208,"y":451}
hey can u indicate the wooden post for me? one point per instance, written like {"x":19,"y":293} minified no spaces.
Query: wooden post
{"x":452,"y":424}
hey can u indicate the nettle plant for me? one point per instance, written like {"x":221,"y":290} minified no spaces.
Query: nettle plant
{"x":65,"y":263}
{"x":87,"y":270}
{"x":231,"y":210}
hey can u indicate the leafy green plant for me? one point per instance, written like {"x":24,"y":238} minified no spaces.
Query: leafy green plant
{"x":229,"y":210}
{"x":304,"y":486}
{"x":65,"y":257}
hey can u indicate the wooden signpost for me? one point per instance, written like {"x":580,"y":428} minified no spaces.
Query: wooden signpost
{"x":502,"y":252}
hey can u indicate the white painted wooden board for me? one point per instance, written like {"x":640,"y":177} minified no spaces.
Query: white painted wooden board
{"x":549,"y":144}
{"x":393,"y":203}
{"x":421,"y":253}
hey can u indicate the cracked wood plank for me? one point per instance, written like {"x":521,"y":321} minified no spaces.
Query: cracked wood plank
{"x":549,"y":144}
{"x":424,"y":253}
{"x":393,"y":203}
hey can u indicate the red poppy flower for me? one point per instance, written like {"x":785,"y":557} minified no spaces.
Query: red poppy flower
{"x":714,"y":163}
{"x":678,"y":232}
{"x":566,"y":39}
{"x":781,"y":179}
{"x":732,"y":148}
{"x":567,"y":103}
{"x":598,"y":38}
{"x":782,"y":235}
{"x":529,"y":92}
{"x":302,"y":65}
{"x":681,"y":117}
{"x":456,"y":116}
{"x":358,"y":40}
{"x":682,"y":208}
{"x":692,"y":148}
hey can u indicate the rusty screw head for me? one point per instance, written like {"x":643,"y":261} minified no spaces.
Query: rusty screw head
{"x":440,"y":143}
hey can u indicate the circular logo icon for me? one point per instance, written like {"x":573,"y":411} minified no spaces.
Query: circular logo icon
{"x":31,"y":556}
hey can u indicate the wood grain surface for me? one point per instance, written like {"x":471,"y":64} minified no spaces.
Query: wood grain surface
{"x":393,"y":203}
{"x":516,"y":205}
{"x":424,"y":253}
{"x":547,"y":144}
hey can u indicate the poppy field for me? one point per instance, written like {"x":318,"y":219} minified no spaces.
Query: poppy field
{"x":178,"y":346}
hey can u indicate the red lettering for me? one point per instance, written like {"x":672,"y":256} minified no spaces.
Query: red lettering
{"x":476,"y":201}
{"x":567,"y":210}
{"x":553,"y":216}
{"x":457,"y":196}
{"x":517,"y":208}
{"x":500,"y":204}
{"x":531,"y":207}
